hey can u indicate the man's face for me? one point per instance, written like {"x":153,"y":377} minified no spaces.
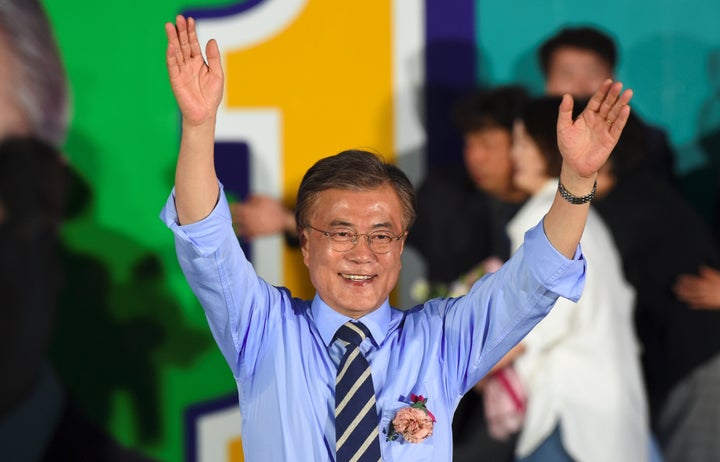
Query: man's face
{"x":356,"y":282}
{"x":487,"y":159}
{"x":576,"y":71}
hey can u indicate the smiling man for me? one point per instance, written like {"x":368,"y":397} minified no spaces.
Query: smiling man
{"x":346,"y":376}
{"x":356,"y":274}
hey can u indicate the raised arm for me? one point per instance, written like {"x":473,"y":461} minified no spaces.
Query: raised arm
{"x":198,"y":89}
{"x":585,"y":144}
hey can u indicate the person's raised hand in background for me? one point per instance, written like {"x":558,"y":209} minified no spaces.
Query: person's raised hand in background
{"x":701,"y":292}
{"x":262,"y":216}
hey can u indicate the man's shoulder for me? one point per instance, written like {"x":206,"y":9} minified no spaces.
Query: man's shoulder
{"x":420,"y":313}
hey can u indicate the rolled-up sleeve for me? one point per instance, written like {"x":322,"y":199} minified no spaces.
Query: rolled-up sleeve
{"x":559,"y":274}
{"x":205,"y":235}
{"x":236,"y":301}
{"x":501,"y":308}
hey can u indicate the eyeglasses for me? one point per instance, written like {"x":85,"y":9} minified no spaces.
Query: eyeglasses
{"x":343,"y":240}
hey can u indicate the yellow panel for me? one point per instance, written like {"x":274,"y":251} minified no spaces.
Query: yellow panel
{"x":235,"y":450}
{"x":330,"y":74}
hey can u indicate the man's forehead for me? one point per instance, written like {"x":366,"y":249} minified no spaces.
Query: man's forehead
{"x":339,"y":205}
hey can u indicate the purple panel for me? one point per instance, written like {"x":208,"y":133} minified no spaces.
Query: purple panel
{"x":219,"y":12}
{"x":450,"y":72}
{"x":232,"y":164}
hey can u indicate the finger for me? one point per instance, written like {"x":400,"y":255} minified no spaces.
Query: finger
{"x":212,"y":51}
{"x":611,"y":97}
{"x":183,"y":37}
{"x":707,"y":272}
{"x":195,"y":49}
{"x":599,"y":96}
{"x":682,"y":294}
{"x":172,"y":57}
{"x":565,"y":113}
{"x":688,"y":281}
{"x":173,"y":41}
{"x":620,"y":102}
{"x":617,"y":126}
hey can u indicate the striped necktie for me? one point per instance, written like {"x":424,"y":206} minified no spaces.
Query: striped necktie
{"x":356,"y":418}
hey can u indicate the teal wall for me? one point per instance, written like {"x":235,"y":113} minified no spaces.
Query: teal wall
{"x":666,"y":50}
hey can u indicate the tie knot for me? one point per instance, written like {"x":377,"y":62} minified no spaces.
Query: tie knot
{"x":352,"y":332}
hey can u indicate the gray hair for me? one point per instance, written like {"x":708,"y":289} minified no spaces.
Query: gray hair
{"x":39,"y":77}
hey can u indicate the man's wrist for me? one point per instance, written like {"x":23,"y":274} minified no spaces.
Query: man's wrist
{"x":575,"y":199}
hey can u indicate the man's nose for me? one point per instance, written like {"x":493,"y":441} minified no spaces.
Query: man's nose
{"x":361,"y":250}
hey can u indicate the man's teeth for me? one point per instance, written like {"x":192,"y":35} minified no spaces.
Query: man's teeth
{"x":356,"y":277}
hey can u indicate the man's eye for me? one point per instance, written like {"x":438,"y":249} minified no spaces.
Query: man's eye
{"x":381,"y":237}
{"x":344,"y":235}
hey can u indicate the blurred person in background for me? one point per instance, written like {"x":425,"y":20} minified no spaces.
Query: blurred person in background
{"x":660,"y":236}
{"x":38,"y":420}
{"x":581,"y":364}
{"x":577,"y":60}
{"x":460,"y":227}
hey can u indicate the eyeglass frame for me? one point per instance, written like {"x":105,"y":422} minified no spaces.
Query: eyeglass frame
{"x":356,"y":238}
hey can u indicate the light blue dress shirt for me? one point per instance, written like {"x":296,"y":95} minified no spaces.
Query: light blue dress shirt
{"x":281,"y":353}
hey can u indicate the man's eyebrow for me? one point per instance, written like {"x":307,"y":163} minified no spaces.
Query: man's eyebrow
{"x":346,"y":224}
{"x":386,"y":224}
{"x":340,"y":223}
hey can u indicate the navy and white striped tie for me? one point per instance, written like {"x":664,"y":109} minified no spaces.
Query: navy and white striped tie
{"x":356,"y":417}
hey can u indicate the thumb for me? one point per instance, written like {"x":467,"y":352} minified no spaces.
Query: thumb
{"x":212,"y":51}
{"x":565,"y":113}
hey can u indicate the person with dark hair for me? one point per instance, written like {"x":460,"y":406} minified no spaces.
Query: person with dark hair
{"x":577,"y":60}
{"x":660,"y":236}
{"x":580,"y":365}
{"x":345,"y":376}
{"x":462,"y":214}
{"x":639,"y":201}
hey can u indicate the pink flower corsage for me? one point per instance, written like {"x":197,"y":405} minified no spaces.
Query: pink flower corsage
{"x":414,"y":422}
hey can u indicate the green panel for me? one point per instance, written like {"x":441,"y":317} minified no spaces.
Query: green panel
{"x":132,"y":343}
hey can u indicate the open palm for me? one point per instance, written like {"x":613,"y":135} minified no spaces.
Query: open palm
{"x":197,"y":85}
{"x":586,"y":142}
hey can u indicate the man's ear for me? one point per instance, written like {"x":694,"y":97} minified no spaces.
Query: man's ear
{"x":303,"y":238}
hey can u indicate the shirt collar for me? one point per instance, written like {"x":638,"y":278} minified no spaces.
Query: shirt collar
{"x":328,"y":320}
